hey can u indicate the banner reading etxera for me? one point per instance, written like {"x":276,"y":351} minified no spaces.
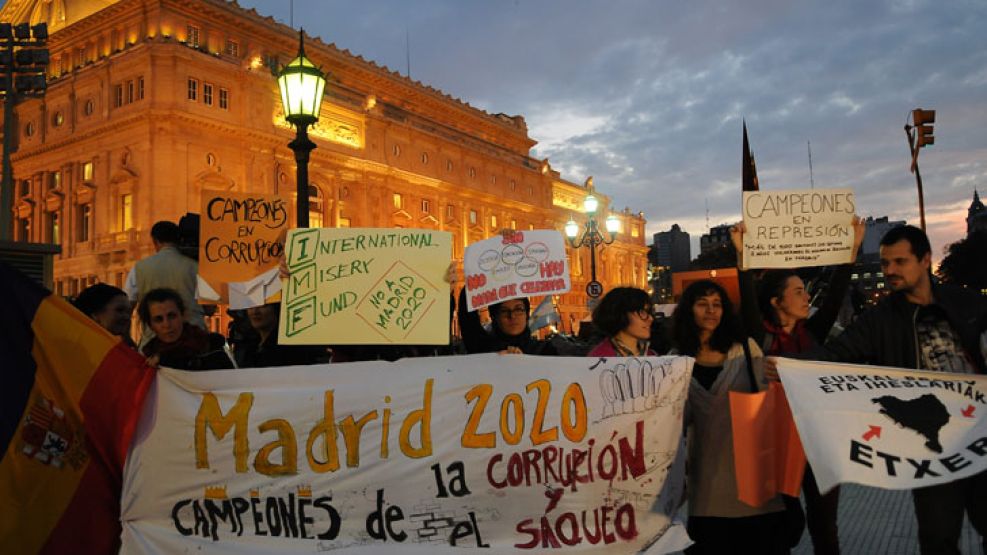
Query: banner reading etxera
{"x":886,"y":427}
{"x":508,"y":453}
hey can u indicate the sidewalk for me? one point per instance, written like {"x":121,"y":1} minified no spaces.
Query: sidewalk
{"x":877,"y":521}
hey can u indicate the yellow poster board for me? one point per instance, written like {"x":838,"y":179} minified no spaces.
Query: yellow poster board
{"x":352,"y":286}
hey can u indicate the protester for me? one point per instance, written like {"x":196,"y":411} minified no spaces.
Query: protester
{"x":167,"y":268}
{"x":705,"y":328}
{"x":176,"y":343}
{"x":509,"y":332}
{"x":109,"y":307}
{"x":928,"y":327}
{"x":267,"y":351}
{"x":624,"y":315}
{"x":777,"y":317}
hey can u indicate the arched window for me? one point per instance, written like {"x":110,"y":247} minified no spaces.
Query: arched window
{"x":316,"y":207}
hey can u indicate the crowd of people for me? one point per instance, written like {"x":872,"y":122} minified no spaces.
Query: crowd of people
{"x":920,"y":325}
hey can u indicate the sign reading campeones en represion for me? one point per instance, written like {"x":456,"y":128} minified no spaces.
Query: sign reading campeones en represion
{"x":500,"y":454}
{"x":795,"y":228}
{"x":366,"y":286}
{"x":511,"y":266}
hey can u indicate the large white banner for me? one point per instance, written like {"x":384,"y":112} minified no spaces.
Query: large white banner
{"x":427,"y":455}
{"x":886,"y":427}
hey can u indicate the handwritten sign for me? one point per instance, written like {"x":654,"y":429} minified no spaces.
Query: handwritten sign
{"x":796,"y":228}
{"x":425,"y":455}
{"x":525,"y":264}
{"x":239,"y":246}
{"x":354,"y":286}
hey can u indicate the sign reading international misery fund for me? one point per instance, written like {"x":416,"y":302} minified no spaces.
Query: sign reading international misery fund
{"x":366,"y":286}
{"x":796,"y":228}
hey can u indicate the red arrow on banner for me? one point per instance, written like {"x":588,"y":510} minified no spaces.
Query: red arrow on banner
{"x":875,"y":431}
{"x":968,"y":411}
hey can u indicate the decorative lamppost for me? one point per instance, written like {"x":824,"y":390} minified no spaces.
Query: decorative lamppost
{"x":302,"y":86}
{"x":591,"y":238}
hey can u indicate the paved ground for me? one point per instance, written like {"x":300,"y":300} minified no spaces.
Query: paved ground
{"x":876,"y":521}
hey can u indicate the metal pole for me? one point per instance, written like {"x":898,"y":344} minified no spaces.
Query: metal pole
{"x":918,"y":176}
{"x":592,"y":250}
{"x":302,"y":146}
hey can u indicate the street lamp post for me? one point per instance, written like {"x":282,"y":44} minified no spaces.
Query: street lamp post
{"x":591,"y":238}
{"x":302,"y":86}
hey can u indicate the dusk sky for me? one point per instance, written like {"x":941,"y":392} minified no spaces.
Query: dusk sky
{"x":648,"y":96}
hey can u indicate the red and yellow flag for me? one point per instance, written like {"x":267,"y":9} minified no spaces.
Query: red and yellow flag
{"x":767,"y":453}
{"x":71,"y":395}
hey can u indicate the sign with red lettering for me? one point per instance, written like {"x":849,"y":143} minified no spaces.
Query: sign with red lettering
{"x":240,"y":245}
{"x":471,"y":454}
{"x":525,"y":264}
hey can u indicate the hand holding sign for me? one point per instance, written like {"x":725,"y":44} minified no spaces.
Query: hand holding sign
{"x":515,"y":264}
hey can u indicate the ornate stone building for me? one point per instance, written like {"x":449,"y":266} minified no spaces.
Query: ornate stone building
{"x":150,"y":102}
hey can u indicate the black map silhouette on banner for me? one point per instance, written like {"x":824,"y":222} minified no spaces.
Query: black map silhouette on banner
{"x":925,"y":415}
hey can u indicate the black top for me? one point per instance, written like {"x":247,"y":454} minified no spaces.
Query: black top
{"x":706,"y":375}
{"x":478,"y":340}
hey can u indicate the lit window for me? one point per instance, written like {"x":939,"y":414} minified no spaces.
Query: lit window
{"x":426,"y":207}
{"x":397,"y":200}
{"x":87,"y":171}
{"x":450,"y":211}
{"x":344,"y":222}
{"x":54,"y":228}
{"x":117,"y":96}
{"x":126,"y":211}
{"x":140,"y":88}
{"x":224,"y":99}
{"x":193,"y":36}
{"x":29,"y":129}
{"x":473,"y":217}
{"x":635,"y":232}
{"x":880,"y":286}
{"x":193,"y":89}
{"x":879,"y":274}
{"x":493,"y":221}
{"x":316,"y":207}
{"x":84,"y":215}
{"x":131,"y":90}
{"x":207,"y":94}
{"x":866,"y":275}
{"x":55,"y":180}
{"x":854,"y":276}
{"x":513,"y":224}
{"x":58,"y":119}
{"x":232,"y":48}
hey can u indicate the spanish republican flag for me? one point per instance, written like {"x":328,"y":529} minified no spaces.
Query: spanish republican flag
{"x":70,"y":395}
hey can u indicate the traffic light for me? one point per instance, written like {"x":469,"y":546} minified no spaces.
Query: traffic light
{"x":923,"y":120}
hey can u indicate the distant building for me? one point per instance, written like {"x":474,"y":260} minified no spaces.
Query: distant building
{"x":876,"y":228}
{"x":673,"y":249}
{"x":976,"y":218}
{"x":717,"y":236}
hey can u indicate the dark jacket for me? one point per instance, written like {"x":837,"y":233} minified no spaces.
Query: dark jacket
{"x":886,"y":335}
{"x":817,"y":326}
{"x":269,"y":352}
{"x":196,"y":349}
{"x":478,"y":340}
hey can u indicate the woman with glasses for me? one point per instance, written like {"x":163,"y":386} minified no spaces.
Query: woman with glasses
{"x":509,"y":332}
{"x":624,"y":315}
{"x":706,"y":329}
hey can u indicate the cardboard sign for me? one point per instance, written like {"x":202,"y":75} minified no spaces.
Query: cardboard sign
{"x":485,"y":453}
{"x":796,"y":228}
{"x":239,"y":247}
{"x":887,"y":427}
{"x":527,"y":264}
{"x":353,"y":286}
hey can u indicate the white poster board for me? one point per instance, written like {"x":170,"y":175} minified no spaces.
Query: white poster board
{"x":798,"y":227}
{"x":525,"y":264}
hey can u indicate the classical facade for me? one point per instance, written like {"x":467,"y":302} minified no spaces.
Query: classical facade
{"x":151,"y":102}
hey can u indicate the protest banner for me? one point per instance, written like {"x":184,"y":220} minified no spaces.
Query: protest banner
{"x":796,"y":228}
{"x":426,"y":455}
{"x":353,"y":286}
{"x":239,"y":247}
{"x":524,"y":264}
{"x":887,"y":427}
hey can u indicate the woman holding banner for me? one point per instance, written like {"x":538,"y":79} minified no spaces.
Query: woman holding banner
{"x":777,"y":316}
{"x":624,"y":315}
{"x":705,"y":328}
